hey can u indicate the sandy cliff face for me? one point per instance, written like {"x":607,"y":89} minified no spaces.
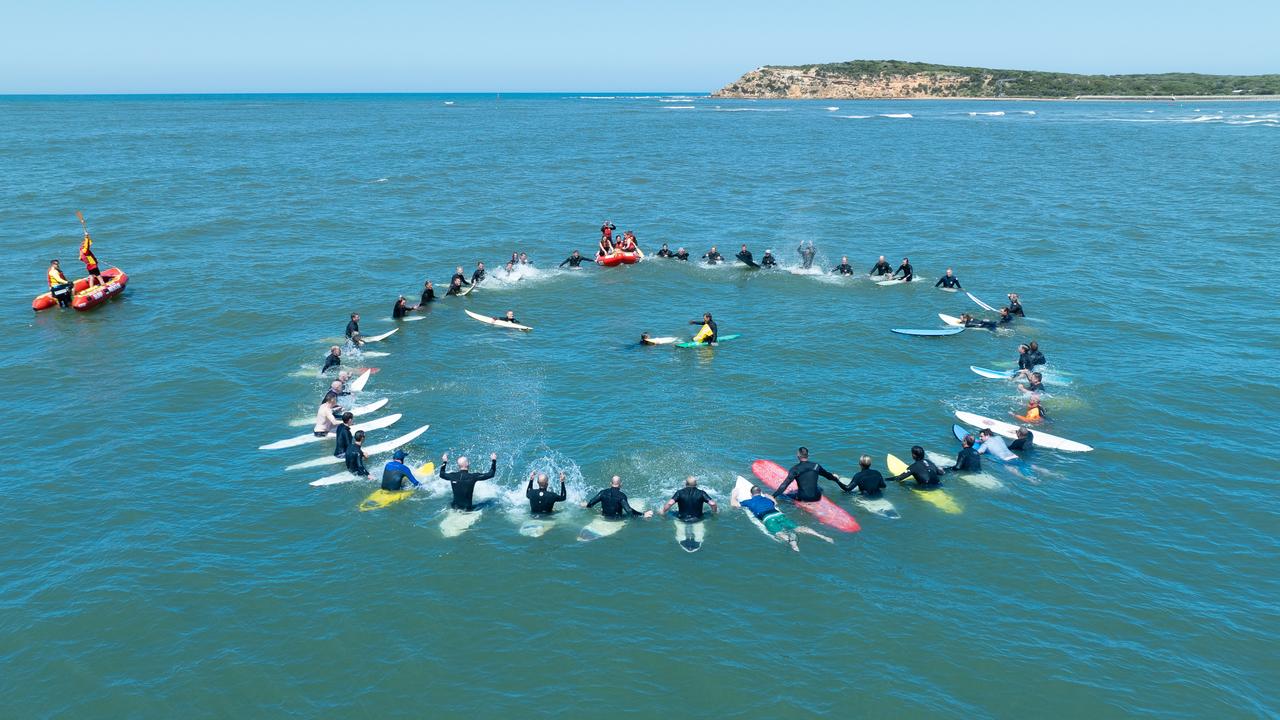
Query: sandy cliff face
{"x":813,"y":83}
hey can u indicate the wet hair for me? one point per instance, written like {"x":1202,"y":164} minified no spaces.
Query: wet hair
{"x":968,"y":441}
{"x":359,"y":436}
{"x":803,"y":452}
{"x":917,"y":452}
{"x":346,"y":416}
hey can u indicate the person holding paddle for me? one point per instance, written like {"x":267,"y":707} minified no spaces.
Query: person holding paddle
{"x":86,"y":254}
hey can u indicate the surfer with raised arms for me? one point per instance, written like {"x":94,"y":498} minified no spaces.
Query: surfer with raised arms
{"x":744,"y":256}
{"x":968,"y":459}
{"x":689,"y":501}
{"x":574,"y":260}
{"x":949,"y":281}
{"x":713,"y":256}
{"x":866,"y":482}
{"x":542,"y":501}
{"x":881,"y":268}
{"x":768,"y":260}
{"x":925,"y":473}
{"x":464,"y":481}
{"x":613,"y":502}
{"x":908,"y":274}
{"x":765,"y":509}
{"x":395,"y":472}
{"x":844,"y":268}
{"x":354,"y":456}
{"x":709,"y":333}
{"x":805,"y":474}
{"x":606,"y":232}
{"x":353,"y":330}
{"x":333,"y":359}
{"x":806,"y":251}
{"x":344,"y":436}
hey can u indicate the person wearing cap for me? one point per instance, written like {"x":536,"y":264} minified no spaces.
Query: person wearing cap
{"x":768,"y":260}
{"x":844,"y":268}
{"x":396,"y":472}
{"x":59,"y":287}
{"x":949,"y":281}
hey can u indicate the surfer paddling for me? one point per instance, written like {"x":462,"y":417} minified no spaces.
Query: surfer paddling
{"x":765,"y":509}
{"x":613,"y":502}
{"x":395,"y":472}
{"x":925,"y":473}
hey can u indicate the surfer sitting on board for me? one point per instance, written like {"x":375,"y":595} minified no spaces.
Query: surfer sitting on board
{"x":968,"y":459}
{"x":464,"y":481}
{"x":455,"y":285}
{"x":428,"y":294}
{"x":325,"y":420}
{"x":333,"y":359}
{"x":709,"y":332}
{"x":745,"y":256}
{"x":844,"y":268}
{"x":396,"y":472}
{"x":543,"y":501}
{"x":665,"y":252}
{"x":866,"y":482}
{"x":401,"y":308}
{"x":766,"y":511}
{"x":713,"y":256}
{"x":905,"y":268}
{"x":881,"y":268}
{"x":949,"y":281}
{"x":1015,"y":305}
{"x":768,"y":260}
{"x":805,"y":474}
{"x":344,"y":436}
{"x":689,"y":501}
{"x":353,"y":330}
{"x":459,"y":277}
{"x":613,"y":502}
{"x":807,"y":252}
{"x":925,"y":473}
{"x":354,"y":457}
{"x":573,"y":260}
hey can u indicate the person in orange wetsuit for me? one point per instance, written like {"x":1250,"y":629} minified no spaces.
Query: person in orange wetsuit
{"x":90,"y":260}
{"x":59,"y":287}
{"x":1035,"y":413}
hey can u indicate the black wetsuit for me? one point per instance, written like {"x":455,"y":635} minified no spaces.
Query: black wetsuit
{"x":768,"y":261}
{"x":924,"y":472}
{"x":1015,"y":308}
{"x":665,"y":253}
{"x":354,"y":458}
{"x":882,"y":268}
{"x":1005,"y":319}
{"x":907,"y":273}
{"x":1022,"y":443}
{"x":477,"y":276}
{"x":843,"y":269}
{"x":428,"y":294}
{"x":949,"y":281}
{"x":613,"y":504}
{"x":805,"y":475}
{"x":454,"y":289}
{"x":713,"y":257}
{"x":331,"y":360}
{"x":746,"y":257}
{"x":689,"y":502}
{"x":682,"y":255}
{"x":867,"y":482}
{"x":1034,"y":358}
{"x":1035,"y":387}
{"x":543,"y":502}
{"x":715,"y":330}
{"x":572,"y":261}
{"x":967,"y":460}
{"x":985,"y":324}
{"x":331,"y":393}
{"x":353,"y":328}
{"x":344,"y":440}
{"x":464,"y":483}
{"x":400,"y":310}
{"x":806,"y":255}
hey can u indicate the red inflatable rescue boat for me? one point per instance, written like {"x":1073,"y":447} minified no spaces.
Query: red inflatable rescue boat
{"x":85,"y":297}
{"x":622,"y":258}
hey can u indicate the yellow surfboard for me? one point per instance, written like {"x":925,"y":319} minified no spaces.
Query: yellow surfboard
{"x":380,"y":498}
{"x":936,"y":496}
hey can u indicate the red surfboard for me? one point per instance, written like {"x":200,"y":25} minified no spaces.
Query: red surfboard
{"x":827,"y":512}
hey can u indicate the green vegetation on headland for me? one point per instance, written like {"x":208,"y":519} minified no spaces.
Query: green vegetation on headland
{"x":895,"y":78}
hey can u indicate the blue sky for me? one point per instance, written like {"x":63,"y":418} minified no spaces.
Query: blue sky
{"x":56,"y":46}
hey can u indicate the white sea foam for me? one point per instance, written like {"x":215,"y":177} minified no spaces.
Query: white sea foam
{"x":720,"y":109}
{"x":997,"y":113}
{"x":1027,"y":112}
{"x":832,"y":109}
{"x":597,"y":97}
{"x":678,"y":107}
{"x":854,"y":117}
{"x":896,"y":115}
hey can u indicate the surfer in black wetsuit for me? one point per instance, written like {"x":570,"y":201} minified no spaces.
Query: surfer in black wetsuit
{"x":478,"y":275}
{"x":455,"y":286}
{"x":354,"y":456}
{"x":353,"y":330}
{"x":613,"y":502}
{"x":401,"y":308}
{"x":1036,"y":385}
{"x":689,"y":501}
{"x":881,"y":268}
{"x":459,"y":278}
{"x":968,"y":459}
{"x":970,"y":321}
{"x":768,"y":260}
{"x":1005,"y":317}
{"x":464,"y":481}
{"x":333,"y":359}
{"x":948,"y":281}
{"x":844,"y":268}
{"x":396,"y":472}
{"x":866,"y":482}
{"x":574,"y":260}
{"x":713,"y":256}
{"x":710,"y":331}
{"x":744,"y":255}
{"x":1015,"y":305}
{"x":428,"y":294}
{"x":543,"y":501}
{"x":905,"y":268}
{"x":925,"y":473}
{"x":510,"y":317}
{"x":805,"y":474}
{"x":665,"y":252}
{"x":344,"y":436}
{"x":1023,"y":441}
{"x":1034,"y":356}
{"x":682,"y":254}
{"x":807,"y":252}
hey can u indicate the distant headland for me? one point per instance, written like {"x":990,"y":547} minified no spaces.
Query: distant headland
{"x":896,"y":79}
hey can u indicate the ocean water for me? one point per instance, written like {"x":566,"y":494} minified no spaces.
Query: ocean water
{"x":156,"y":563}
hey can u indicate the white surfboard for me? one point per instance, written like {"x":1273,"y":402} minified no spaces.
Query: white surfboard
{"x":878,"y":506}
{"x":359,"y":410}
{"x":981,"y":304}
{"x":950,"y":290}
{"x":378,"y":424}
{"x":690,"y":535}
{"x":885,"y":283}
{"x":497,"y":322}
{"x":603,"y":527}
{"x":536,"y":527}
{"x":370,"y":450}
{"x":661,"y":340}
{"x":383,"y":336}
{"x":983,"y":480}
{"x":742,"y":491}
{"x":456,"y":522}
{"x":358,"y":384}
{"x":951,"y":320}
{"x":1039,"y":438}
{"x":373,"y":354}
{"x":335,"y":479}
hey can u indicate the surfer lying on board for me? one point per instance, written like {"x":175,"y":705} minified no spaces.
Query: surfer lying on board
{"x":542,"y":501}
{"x":807,"y":252}
{"x":713,"y":256}
{"x":665,"y":252}
{"x":709,"y":333}
{"x":925,"y":473}
{"x":333,"y":359}
{"x":866,"y":482}
{"x":744,"y":255}
{"x":689,"y":501}
{"x":464,"y":481}
{"x":354,"y":457}
{"x":59,"y":287}
{"x":353,"y":330}
{"x":844,"y":268}
{"x":766,"y":511}
{"x":949,"y":281}
{"x":805,"y":474}
{"x":613,"y":502}
{"x":768,"y":260}
{"x":970,"y":321}
{"x":574,"y":260}
{"x":396,"y":472}
{"x":1015,"y":305}
{"x":905,"y":268}
{"x":989,"y":442}
{"x":881,"y":268}
{"x":968,"y":459}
